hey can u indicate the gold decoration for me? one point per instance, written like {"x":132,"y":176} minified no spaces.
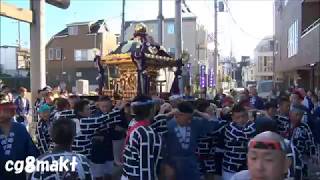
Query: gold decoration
{"x":140,"y":28}
{"x":153,"y":50}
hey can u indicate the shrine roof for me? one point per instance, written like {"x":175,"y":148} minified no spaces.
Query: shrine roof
{"x":154,"y":53}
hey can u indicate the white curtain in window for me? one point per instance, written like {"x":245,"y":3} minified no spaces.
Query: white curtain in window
{"x":77,"y":55}
{"x":51,"y":53}
{"x":58,"y":54}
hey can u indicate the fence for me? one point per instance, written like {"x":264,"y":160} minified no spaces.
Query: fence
{"x":16,"y":82}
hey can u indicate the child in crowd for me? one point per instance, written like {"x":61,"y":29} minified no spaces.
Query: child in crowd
{"x":42,"y":131}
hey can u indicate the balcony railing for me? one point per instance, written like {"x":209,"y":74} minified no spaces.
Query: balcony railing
{"x":314,"y":24}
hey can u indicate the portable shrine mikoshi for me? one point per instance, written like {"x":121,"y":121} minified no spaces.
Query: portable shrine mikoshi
{"x":138,"y":62}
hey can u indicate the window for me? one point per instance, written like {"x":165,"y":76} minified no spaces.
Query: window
{"x":51,"y":53}
{"x":55,"y":54}
{"x":170,"y":28}
{"x":293,"y":39}
{"x":73,"y":30}
{"x":77,"y":55}
{"x":172,"y":51}
{"x":78,"y":74}
{"x":285,"y":2}
{"x":277,"y":47}
{"x":58,"y":54}
{"x":265,"y":60}
{"x":83,"y":55}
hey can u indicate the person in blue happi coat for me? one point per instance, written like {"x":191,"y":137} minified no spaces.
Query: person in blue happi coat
{"x":15,"y":142}
{"x":23,"y":107}
{"x":183,"y":132}
{"x":255,"y":101}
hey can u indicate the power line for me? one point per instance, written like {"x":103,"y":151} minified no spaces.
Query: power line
{"x":113,"y":18}
{"x":187,"y":8}
{"x":236,"y":23}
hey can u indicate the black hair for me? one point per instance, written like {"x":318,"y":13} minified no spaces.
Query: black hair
{"x":269,"y":105}
{"x":79,"y":106}
{"x":202,"y":105}
{"x":188,"y":87}
{"x":238,"y":108}
{"x":39,"y":91}
{"x":315,"y":97}
{"x":104,"y":98}
{"x":265,"y":124}
{"x":63,"y":131}
{"x":284,"y":99}
{"x":48,"y":94}
{"x":63,"y":91}
{"x":185,"y":107}
{"x":74,"y":97}
{"x":142,"y":111}
{"x":62,"y":104}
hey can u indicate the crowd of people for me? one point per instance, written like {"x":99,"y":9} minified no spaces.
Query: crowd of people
{"x":230,"y":137}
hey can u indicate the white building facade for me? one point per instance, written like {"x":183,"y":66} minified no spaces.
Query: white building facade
{"x":248,"y":75}
{"x":263,"y":59}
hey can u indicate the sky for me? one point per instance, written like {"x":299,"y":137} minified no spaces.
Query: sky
{"x":252,"y":20}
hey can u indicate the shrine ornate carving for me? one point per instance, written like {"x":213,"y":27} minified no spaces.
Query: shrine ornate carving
{"x":139,"y":61}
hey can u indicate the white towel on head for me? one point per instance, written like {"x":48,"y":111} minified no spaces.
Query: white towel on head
{"x":175,"y":97}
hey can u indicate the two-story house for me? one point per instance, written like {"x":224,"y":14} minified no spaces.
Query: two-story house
{"x":70,"y":53}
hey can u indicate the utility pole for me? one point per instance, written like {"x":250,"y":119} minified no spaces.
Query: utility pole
{"x":178,"y":36}
{"x":122,"y":23}
{"x":178,"y":29}
{"x":160,"y":24}
{"x":215,"y":55}
{"x":37,"y":43}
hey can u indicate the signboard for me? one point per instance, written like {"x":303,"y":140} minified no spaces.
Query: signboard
{"x":211,"y":81}
{"x":189,"y":72}
{"x":203,"y":78}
